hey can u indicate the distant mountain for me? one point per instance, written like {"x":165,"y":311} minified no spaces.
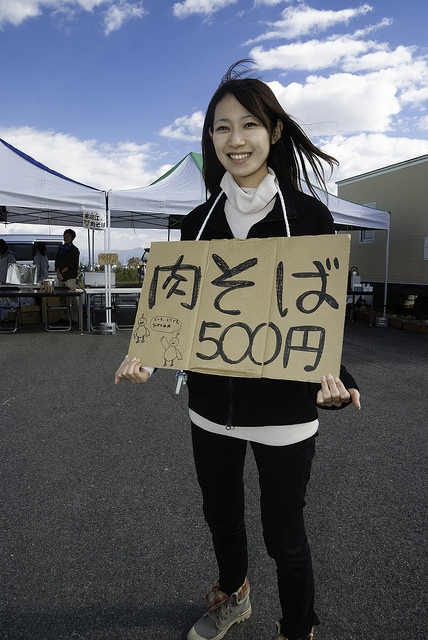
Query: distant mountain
{"x":126,"y":254}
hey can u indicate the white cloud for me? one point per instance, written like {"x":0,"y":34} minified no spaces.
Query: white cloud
{"x":415,"y":96}
{"x":201,"y":7}
{"x":16,"y":12}
{"x":368,"y":152}
{"x":340,"y":103}
{"x":374,"y":82}
{"x":381,"y":58}
{"x":120,"y":13}
{"x":116,"y":13}
{"x":344,"y":51}
{"x":268,"y":3}
{"x":300,"y":21}
{"x":121,"y":166}
{"x":87,"y":5}
{"x":185,"y":128}
{"x":361,"y":33}
{"x":309,"y":55}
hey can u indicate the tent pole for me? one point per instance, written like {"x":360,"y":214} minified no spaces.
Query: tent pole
{"x":107,"y":268}
{"x":89,"y":250}
{"x":385,"y":292}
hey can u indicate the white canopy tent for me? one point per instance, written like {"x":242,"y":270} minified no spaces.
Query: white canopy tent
{"x":32,"y":193}
{"x":181,"y":189}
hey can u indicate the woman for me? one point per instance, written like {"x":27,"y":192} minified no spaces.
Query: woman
{"x":254,"y":155}
{"x":7,"y":257}
{"x":41,"y":261}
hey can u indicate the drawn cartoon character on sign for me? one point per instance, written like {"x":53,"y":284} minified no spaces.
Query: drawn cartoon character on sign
{"x":141,"y":332}
{"x":171,"y":352}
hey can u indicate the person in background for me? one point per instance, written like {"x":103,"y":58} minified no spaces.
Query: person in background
{"x":255,"y":160}
{"x":7,"y":257}
{"x":67,"y":266}
{"x":41,"y":261}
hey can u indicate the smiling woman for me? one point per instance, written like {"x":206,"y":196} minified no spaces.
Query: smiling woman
{"x":254,"y":157}
{"x":242,"y":142}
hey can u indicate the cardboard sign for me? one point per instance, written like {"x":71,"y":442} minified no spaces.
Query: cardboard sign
{"x":108,"y":258}
{"x":270,"y":307}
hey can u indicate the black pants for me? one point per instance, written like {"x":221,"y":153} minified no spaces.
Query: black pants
{"x":283,"y":476}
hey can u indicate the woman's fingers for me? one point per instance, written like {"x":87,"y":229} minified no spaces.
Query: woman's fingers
{"x":132,"y":371}
{"x":333,"y":393}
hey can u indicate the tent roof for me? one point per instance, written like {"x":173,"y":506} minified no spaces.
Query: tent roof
{"x":351,"y":214}
{"x":175,"y":193}
{"x":32,"y":193}
{"x":182,"y":188}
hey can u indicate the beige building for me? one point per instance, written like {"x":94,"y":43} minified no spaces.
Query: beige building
{"x":401,"y":189}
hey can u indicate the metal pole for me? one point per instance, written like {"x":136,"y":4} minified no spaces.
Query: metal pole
{"x":107,"y":269}
{"x":89,"y":250}
{"x":385,"y":292}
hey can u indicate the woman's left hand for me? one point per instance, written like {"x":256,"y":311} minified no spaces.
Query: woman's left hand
{"x":131,"y":370}
{"x":333,"y":393}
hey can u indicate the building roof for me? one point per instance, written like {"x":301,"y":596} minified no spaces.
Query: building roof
{"x":388,"y":169}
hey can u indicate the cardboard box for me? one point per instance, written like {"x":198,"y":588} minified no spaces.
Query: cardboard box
{"x":30,"y":314}
{"x":54,"y":314}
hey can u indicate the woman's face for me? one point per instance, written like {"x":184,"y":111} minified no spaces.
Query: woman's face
{"x":241,"y":142}
{"x":68,"y":238}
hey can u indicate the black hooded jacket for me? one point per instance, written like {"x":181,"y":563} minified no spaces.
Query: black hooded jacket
{"x":258,"y":401}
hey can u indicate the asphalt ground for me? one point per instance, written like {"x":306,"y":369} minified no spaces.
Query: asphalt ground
{"x":102,"y":535}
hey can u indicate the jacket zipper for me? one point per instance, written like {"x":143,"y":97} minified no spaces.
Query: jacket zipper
{"x":229,"y":421}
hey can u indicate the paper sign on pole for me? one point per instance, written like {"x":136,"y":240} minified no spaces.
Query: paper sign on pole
{"x":94,"y":219}
{"x":270,"y":307}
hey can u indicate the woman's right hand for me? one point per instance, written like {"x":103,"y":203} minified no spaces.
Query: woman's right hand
{"x":132,"y":371}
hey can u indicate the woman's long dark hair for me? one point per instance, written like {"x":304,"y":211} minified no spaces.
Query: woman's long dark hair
{"x":290,"y":157}
{"x":41,"y":247}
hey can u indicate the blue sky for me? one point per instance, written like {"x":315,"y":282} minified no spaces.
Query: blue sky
{"x":112,"y":93}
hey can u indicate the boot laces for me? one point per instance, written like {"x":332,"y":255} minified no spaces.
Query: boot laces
{"x":220,"y":615}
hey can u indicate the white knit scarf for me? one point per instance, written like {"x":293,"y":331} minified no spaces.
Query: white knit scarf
{"x":245,"y":207}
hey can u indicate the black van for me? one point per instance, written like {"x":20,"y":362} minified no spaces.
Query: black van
{"x":22,"y":245}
